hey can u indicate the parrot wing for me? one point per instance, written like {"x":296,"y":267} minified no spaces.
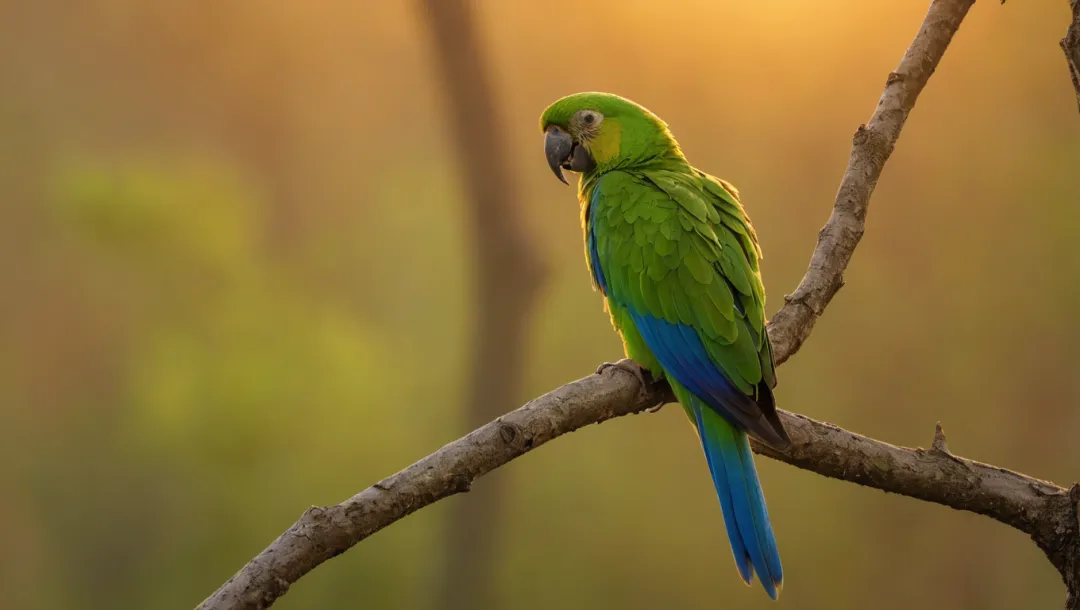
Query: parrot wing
{"x":676,"y":250}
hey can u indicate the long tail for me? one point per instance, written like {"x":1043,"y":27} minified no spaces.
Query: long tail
{"x":731,"y":463}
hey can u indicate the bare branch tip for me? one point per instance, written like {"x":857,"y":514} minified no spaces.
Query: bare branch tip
{"x":939,"y":440}
{"x":940,"y":447}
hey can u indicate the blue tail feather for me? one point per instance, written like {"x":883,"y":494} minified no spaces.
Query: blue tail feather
{"x":727,"y":451}
{"x":760,"y":512}
{"x":723,"y":490}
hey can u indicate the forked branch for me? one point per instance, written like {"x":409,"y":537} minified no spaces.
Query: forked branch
{"x":1046,"y":512}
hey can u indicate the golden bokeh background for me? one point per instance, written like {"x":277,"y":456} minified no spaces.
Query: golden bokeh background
{"x":236,"y":282}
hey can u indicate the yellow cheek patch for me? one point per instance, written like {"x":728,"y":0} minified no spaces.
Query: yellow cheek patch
{"x":604,"y":146}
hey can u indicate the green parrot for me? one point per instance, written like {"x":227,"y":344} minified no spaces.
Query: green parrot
{"x":675,"y":256}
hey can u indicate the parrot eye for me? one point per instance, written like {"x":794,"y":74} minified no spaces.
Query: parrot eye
{"x":587,"y":119}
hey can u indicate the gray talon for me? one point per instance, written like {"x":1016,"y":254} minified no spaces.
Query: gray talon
{"x":635,"y":369}
{"x":627,"y":365}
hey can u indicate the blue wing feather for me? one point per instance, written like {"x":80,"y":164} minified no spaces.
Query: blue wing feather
{"x":590,"y":238}
{"x":682,"y":354}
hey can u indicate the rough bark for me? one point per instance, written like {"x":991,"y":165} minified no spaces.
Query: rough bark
{"x":1071,"y":45}
{"x":507,"y":278}
{"x":1046,"y":512}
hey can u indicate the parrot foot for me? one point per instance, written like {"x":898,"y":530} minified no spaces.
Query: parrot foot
{"x":635,"y":369}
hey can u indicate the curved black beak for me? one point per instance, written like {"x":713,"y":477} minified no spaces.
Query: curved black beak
{"x":564,"y":153}
{"x":558,"y":146}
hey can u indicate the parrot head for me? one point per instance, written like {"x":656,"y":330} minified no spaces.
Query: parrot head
{"x":591,"y":133}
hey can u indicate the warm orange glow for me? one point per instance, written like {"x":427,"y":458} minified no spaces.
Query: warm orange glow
{"x":234,"y":265}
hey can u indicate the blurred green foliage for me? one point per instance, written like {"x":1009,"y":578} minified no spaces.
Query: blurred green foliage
{"x":235,"y":279}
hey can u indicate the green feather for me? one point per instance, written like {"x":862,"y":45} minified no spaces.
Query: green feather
{"x":722,"y":299}
{"x":663,"y":244}
{"x":667,"y":303}
{"x":702,"y":271}
{"x":651,"y":296}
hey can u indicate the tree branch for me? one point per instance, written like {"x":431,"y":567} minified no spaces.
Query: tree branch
{"x":1044,"y":511}
{"x":871,"y":147}
{"x":1071,"y":46}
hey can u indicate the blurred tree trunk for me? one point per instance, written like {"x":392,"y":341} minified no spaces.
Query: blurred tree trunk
{"x":508,"y":276}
